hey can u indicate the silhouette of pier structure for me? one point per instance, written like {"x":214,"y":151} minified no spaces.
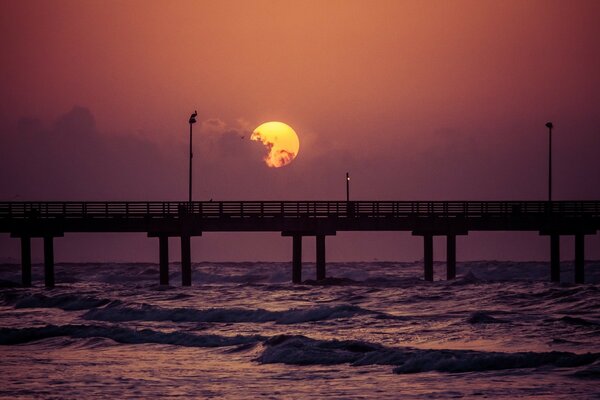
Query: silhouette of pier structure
{"x":297,"y":219}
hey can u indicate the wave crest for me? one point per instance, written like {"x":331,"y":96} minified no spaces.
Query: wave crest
{"x":300,"y":350}
{"x":11,"y":336}
{"x":121,"y":313}
{"x":67,"y":302}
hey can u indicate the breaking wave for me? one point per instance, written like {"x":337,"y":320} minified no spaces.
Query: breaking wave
{"x":67,"y":302}
{"x":11,"y":336}
{"x":121,"y":313}
{"x":300,"y":350}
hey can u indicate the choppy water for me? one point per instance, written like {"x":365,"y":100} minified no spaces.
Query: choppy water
{"x":374,"y":330}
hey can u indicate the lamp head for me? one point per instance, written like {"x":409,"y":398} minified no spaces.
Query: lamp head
{"x":549,"y":125}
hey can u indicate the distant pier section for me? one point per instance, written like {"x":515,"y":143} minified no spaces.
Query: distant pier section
{"x":297,"y":219}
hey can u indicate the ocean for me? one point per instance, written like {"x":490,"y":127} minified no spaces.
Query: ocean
{"x":244,"y":331}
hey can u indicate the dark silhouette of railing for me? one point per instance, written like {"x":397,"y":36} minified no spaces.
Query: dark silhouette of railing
{"x":293,"y":209}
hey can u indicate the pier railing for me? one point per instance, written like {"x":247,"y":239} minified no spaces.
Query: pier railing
{"x":165,"y":219}
{"x":292,"y":209}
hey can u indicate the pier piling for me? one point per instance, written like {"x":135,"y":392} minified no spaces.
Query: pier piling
{"x":26,"y":261}
{"x":579,"y":258}
{"x":164,"y":259}
{"x":555,"y":258}
{"x":428,"y":257}
{"x":186,"y":261}
{"x":297,"y":259}
{"x":450,"y":257}
{"x":49,"y":261}
{"x":320,"y":241}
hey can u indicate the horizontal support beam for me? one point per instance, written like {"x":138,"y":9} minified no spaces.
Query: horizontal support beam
{"x":568,"y":232}
{"x":36,"y":234}
{"x":440,"y":232}
{"x":173,"y":234}
{"x":308,"y":233}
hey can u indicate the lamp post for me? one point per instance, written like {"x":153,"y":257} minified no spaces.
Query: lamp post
{"x":549,"y":126}
{"x":191,"y":121}
{"x":347,"y":186}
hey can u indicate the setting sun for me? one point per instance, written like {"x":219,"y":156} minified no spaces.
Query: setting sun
{"x":281,"y":141}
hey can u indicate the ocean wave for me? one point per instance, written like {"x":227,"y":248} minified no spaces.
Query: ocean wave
{"x":300,"y":350}
{"x":67,"y":302}
{"x":480,"y":317}
{"x":121,"y":313}
{"x":467,"y":279}
{"x":476,"y":361}
{"x":369,"y":273}
{"x":579,"y":321}
{"x":13,"y":336}
{"x":590,"y":372}
{"x":565,"y":293}
{"x":331,"y":281}
{"x":7,"y":284}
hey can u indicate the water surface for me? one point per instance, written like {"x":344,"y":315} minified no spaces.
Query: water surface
{"x":243,"y":331}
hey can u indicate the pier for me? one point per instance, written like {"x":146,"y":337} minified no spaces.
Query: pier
{"x":298,"y":219}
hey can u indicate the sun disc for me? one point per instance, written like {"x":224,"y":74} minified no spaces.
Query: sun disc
{"x":281,"y":141}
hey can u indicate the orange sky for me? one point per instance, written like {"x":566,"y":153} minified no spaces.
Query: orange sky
{"x":417,"y":99}
{"x":325,"y":67}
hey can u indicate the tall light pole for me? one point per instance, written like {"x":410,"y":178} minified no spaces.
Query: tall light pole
{"x":347,"y":186}
{"x":549,"y":126}
{"x":191,"y":121}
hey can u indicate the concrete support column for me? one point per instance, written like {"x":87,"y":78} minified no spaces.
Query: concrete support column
{"x":555,"y":258}
{"x":163,"y":256}
{"x":186,"y":261}
{"x":428,"y":257}
{"x":49,"y":261}
{"x":450,"y":257}
{"x":297,"y":259}
{"x":579,"y":258}
{"x":320,"y":239}
{"x":26,"y":261}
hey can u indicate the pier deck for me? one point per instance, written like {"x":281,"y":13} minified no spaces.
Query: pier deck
{"x":47,"y":220}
